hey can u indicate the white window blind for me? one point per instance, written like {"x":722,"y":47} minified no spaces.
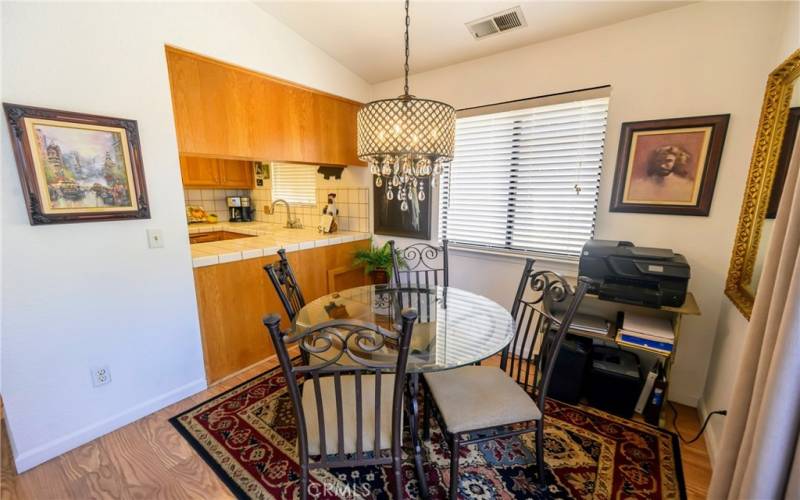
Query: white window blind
{"x":294,"y":183}
{"x":526,"y":179}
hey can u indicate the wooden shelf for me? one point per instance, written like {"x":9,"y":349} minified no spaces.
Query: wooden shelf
{"x":689,"y":306}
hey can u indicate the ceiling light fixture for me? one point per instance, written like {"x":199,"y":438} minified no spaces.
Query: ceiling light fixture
{"x":406,"y":141}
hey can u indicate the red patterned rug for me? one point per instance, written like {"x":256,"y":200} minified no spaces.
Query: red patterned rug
{"x":247,"y":435}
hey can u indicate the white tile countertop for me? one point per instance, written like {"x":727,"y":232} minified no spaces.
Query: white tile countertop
{"x":269,"y":238}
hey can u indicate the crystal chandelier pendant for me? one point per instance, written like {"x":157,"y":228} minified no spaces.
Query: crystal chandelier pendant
{"x":406,"y":139}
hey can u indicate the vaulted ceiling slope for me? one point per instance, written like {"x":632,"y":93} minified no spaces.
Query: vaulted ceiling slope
{"x":367,"y":36}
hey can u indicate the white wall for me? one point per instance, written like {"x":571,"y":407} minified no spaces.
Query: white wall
{"x":705,"y":58}
{"x":732,"y":326}
{"x":81,"y":295}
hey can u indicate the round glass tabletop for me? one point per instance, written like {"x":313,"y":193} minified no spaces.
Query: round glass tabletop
{"x":454,"y":327}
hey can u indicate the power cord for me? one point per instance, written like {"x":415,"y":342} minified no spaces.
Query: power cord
{"x":702,"y":428}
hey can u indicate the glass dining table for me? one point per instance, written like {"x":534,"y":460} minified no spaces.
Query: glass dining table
{"x":454,"y":328}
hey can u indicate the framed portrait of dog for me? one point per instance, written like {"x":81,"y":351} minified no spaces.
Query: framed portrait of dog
{"x":668,"y":166}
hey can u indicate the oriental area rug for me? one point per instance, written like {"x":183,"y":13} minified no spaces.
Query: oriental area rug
{"x":247,"y":435}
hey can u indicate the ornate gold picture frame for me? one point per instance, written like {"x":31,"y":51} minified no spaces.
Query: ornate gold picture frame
{"x":769,"y":139}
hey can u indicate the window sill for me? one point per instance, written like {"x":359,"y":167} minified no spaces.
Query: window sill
{"x":566,"y":262}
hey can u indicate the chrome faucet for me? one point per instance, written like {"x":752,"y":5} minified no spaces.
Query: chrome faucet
{"x":291,"y":222}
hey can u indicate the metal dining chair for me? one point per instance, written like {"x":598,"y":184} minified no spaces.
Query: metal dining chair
{"x":351,"y":415}
{"x":425,"y":265}
{"x":480,"y":403}
{"x":286,"y":286}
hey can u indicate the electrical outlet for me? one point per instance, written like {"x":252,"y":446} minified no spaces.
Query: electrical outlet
{"x":100,"y":376}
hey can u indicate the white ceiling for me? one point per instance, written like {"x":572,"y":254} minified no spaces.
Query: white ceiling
{"x":367,"y":36}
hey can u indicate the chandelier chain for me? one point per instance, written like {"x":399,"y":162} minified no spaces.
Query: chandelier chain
{"x":406,"y":141}
{"x":408,"y":24}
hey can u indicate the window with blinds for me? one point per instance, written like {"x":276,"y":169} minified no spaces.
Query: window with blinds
{"x":525,"y":180}
{"x":294,"y":183}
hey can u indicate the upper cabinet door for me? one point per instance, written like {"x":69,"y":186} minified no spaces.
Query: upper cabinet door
{"x":236,"y":174}
{"x":199,"y":172}
{"x":216,"y":172}
{"x":226,"y":111}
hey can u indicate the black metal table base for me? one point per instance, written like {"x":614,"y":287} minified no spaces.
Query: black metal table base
{"x":413,"y":426}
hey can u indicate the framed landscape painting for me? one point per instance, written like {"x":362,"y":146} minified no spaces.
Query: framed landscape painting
{"x":76,"y":167}
{"x":668,"y":166}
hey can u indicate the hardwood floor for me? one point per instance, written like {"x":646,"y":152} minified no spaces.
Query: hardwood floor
{"x":149,"y":459}
{"x":696,"y":465}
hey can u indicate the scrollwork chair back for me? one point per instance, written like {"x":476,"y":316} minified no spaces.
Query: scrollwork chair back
{"x":425,"y":265}
{"x":351,"y":413}
{"x":286,"y":286}
{"x":530,"y":357}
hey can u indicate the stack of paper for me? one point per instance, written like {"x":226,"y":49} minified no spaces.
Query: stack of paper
{"x":584,"y":323}
{"x":653,"y":332}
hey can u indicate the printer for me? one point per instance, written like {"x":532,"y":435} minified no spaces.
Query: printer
{"x":623,"y":272}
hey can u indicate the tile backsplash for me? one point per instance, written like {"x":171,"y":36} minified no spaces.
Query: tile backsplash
{"x":212,"y":200}
{"x":352,"y":202}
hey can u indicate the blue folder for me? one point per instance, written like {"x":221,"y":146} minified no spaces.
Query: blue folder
{"x":652,"y":344}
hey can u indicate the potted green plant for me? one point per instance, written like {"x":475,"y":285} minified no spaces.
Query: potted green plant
{"x":377,"y":262}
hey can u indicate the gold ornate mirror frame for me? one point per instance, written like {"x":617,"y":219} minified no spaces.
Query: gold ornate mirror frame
{"x":769,"y":137}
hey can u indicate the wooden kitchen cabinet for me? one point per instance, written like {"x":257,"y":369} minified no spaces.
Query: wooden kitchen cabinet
{"x":198,"y":172}
{"x":225,"y":111}
{"x":236,"y":173}
{"x":233,"y":298}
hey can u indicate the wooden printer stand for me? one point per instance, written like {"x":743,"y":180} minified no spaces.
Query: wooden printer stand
{"x":592,"y":305}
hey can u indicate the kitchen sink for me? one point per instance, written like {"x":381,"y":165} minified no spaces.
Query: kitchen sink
{"x":216,"y":236}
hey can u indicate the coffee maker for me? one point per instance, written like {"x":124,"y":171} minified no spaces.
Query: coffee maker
{"x":239,"y":209}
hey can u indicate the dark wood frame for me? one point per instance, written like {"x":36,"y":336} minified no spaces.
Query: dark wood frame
{"x":379,"y":201}
{"x":15,"y":115}
{"x":719,"y":128}
{"x":788,"y":145}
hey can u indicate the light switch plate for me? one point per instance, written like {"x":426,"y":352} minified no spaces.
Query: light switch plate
{"x":155,"y":238}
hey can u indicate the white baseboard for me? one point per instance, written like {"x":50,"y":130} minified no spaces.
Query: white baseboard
{"x":32,"y":458}
{"x":711,"y":436}
{"x":682,"y":398}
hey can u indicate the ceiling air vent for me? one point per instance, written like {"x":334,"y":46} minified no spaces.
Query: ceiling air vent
{"x":497,"y":23}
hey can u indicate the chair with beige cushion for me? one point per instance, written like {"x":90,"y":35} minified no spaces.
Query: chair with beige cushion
{"x":350,"y":410}
{"x":481,"y":403}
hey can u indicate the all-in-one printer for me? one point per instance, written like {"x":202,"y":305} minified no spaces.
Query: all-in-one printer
{"x":622,"y":272}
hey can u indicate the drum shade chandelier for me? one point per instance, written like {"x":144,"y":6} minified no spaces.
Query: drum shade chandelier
{"x":406,"y":141}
